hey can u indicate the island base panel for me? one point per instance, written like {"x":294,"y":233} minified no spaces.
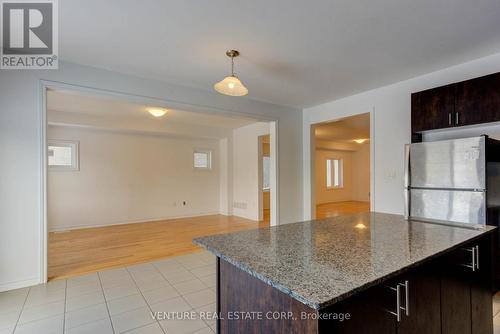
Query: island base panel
{"x":242,"y":295}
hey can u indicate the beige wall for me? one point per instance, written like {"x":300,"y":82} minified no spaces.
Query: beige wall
{"x":361,"y":173}
{"x":246,"y":182}
{"x":126,"y":178}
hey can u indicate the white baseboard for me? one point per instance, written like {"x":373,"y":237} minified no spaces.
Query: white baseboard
{"x":77,"y":227}
{"x":19,"y":284}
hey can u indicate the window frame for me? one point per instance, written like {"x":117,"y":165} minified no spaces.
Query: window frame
{"x":208,"y":153}
{"x":75,"y":156}
{"x":332,"y":173}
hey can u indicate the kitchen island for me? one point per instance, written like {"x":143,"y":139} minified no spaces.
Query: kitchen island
{"x":364,"y":273}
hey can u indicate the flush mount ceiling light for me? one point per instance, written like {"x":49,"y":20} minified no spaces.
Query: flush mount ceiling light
{"x":360,"y":141}
{"x":157,"y":112}
{"x":231,"y":85}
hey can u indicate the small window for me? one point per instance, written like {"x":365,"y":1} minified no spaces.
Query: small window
{"x":62,"y":155}
{"x":202,"y":159}
{"x":266,"y":173}
{"x":334,"y":173}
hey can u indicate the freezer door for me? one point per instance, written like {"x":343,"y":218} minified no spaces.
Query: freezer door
{"x":467,"y":207}
{"x":449,"y":164}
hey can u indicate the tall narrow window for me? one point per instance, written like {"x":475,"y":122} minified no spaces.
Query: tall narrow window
{"x":62,"y":155}
{"x":334,"y":173}
{"x":266,"y":173}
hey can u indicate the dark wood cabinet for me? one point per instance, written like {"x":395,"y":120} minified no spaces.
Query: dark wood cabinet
{"x":478,"y":100}
{"x":368,"y":313}
{"x":449,"y":294}
{"x":469,"y":102}
{"x":424,"y":302}
{"x":433,"y":108}
{"x":466,"y":294}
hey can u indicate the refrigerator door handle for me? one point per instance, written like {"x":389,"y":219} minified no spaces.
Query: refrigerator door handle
{"x":407,"y":182}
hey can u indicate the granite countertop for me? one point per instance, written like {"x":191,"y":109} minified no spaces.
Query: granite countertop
{"x":322,"y":262}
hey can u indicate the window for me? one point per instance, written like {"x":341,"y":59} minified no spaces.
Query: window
{"x":62,"y":155}
{"x":266,"y":173}
{"x":202,"y":159}
{"x":334,"y":173}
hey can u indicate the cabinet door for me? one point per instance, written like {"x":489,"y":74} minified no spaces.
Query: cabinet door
{"x":424,"y":302}
{"x":433,"y":108}
{"x":481,"y":290}
{"x":478,"y":100}
{"x":466,"y":296}
{"x":455,"y":302}
{"x":368,"y":314}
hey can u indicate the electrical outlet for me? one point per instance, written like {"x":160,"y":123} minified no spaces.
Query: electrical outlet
{"x":240,"y":205}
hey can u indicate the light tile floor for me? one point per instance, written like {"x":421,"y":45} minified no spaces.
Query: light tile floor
{"x":117,"y":301}
{"x":121,"y":301}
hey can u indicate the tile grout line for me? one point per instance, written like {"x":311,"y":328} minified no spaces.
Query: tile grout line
{"x":206,"y":323}
{"x":149,"y":307}
{"x":65,"y":299}
{"x":180,"y":294}
{"x":106,"y":303}
{"x":22,"y":309}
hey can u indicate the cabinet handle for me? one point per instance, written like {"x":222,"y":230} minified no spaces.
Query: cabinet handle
{"x":456,"y":118}
{"x":398,"y":302}
{"x":406,"y":308}
{"x":449,"y":118}
{"x":475,"y":258}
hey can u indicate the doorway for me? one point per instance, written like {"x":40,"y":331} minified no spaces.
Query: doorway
{"x":100,"y":145}
{"x":340,"y":166}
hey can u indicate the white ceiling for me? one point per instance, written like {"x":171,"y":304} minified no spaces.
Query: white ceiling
{"x":67,"y":107}
{"x":294,"y":52}
{"x":345,"y":130}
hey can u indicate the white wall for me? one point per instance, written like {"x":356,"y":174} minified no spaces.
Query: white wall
{"x":246,"y":169}
{"x":225,"y":177}
{"x":21,"y":180}
{"x":390,"y":128}
{"x":126,"y":178}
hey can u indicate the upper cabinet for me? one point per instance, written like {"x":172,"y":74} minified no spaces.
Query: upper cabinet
{"x":432,"y":108}
{"x":478,"y":100}
{"x":468,"y":102}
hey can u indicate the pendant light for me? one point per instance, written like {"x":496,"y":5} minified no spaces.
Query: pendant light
{"x":231,"y":85}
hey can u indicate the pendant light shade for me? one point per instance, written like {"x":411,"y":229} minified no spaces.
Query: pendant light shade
{"x":231,"y":85}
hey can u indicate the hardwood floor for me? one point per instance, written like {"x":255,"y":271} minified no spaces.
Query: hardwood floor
{"x":89,"y":250}
{"x":341,"y":208}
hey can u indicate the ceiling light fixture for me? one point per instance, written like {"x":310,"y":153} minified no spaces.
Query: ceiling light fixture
{"x":360,"y":141}
{"x":157,"y":112}
{"x":231,"y":85}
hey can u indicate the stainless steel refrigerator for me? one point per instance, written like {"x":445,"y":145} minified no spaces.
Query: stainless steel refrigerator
{"x":454,"y":181}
